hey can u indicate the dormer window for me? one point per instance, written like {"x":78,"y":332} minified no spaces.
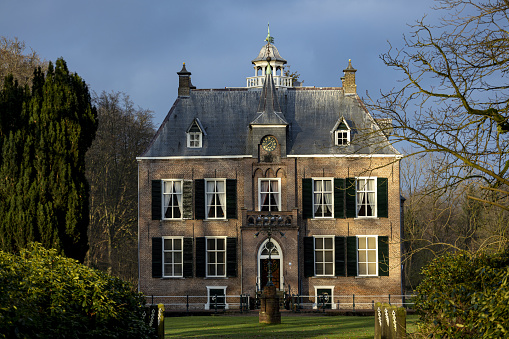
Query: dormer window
{"x":342,"y":133}
{"x":195,"y":134}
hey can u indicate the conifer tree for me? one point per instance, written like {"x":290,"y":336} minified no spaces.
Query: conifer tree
{"x":46,"y":132}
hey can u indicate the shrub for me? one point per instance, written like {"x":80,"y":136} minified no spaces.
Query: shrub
{"x":45,"y":295}
{"x":465,"y":295}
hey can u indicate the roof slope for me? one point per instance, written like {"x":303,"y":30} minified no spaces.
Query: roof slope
{"x":311,"y":114}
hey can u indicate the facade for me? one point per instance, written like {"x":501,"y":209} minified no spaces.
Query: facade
{"x":310,"y":162}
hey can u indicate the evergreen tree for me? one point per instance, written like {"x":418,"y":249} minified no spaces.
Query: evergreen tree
{"x":45,"y":132}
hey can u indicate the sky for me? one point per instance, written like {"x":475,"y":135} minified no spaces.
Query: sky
{"x":136,"y":47}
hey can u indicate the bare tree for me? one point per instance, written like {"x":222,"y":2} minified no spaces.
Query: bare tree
{"x":16,"y":61}
{"x":453,"y":99}
{"x":124,"y":133}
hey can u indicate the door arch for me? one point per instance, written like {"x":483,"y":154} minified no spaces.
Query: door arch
{"x":276,"y":255}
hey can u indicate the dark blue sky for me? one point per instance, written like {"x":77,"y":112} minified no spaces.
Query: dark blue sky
{"x":138,"y":46}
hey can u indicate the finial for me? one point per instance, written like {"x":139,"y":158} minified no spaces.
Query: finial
{"x":269,"y":39}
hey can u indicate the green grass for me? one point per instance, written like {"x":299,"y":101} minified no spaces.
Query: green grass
{"x":290,"y":327}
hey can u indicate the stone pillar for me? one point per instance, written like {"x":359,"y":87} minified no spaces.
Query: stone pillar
{"x":269,"y":307}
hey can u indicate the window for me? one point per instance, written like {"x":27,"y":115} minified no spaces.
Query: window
{"x":194,"y":139}
{"x":215,"y":198}
{"x":269,"y":196}
{"x":216,"y":257}
{"x":342,"y":137}
{"x":324,"y":256}
{"x":367,"y":255}
{"x":172,"y":257}
{"x":324,"y":297}
{"x":366,"y":197}
{"x":216,"y":298}
{"x":323,"y":198}
{"x":172,"y":199}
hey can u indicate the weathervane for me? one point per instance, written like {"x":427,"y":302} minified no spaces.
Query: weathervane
{"x":269,"y":39}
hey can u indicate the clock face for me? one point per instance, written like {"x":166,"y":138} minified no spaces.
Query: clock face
{"x":269,"y":143}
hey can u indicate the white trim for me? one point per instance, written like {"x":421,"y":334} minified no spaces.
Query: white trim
{"x":399,"y":156}
{"x":196,"y":157}
{"x":279,"y":193}
{"x":173,"y":251}
{"x":206,"y":180}
{"x":375,"y":214}
{"x":199,"y":141}
{"x":376,"y":252}
{"x":207,"y":305}
{"x":333,"y":305}
{"x":207,"y":257}
{"x":313,"y":195}
{"x":163,"y":202}
{"x":333,"y":254}
{"x":272,"y":256}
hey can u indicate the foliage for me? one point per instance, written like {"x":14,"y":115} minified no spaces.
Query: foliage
{"x":14,"y":60}
{"x":453,"y":101}
{"x":44,"y":295}
{"x":44,"y":134}
{"x":124,"y":132}
{"x":465,"y":295}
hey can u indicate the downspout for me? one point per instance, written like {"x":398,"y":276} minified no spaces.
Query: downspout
{"x":139,"y":273}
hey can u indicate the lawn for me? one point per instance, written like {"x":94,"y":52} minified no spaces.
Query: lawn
{"x":290,"y":327}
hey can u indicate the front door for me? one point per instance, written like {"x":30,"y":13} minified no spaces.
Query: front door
{"x":264,"y":272}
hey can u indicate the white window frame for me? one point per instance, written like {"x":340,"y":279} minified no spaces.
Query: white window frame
{"x":173,"y":252}
{"x":317,"y":304}
{"x":194,"y":139}
{"x":359,"y":197}
{"x":323,"y":251}
{"x":216,"y":252}
{"x":341,"y":132}
{"x":175,"y":194}
{"x":366,"y":262}
{"x":278,"y":180}
{"x":218,"y":199}
{"x":208,"y":305}
{"x":322,"y":193}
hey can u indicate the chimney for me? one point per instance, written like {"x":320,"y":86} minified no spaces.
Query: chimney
{"x":349,"y":86}
{"x":185,"y":84}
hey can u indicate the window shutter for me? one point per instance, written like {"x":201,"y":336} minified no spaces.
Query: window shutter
{"x":350,"y":198}
{"x":231,"y":198}
{"x":187,"y":199}
{"x":309,"y":257}
{"x":157,"y":213}
{"x":199,"y":198}
{"x":231,"y":257}
{"x":157,"y":257}
{"x":383,"y":256}
{"x":307,"y":198}
{"x":339,"y":253}
{"x":188,"y":258}
{"x":351,"y":256}
{"x":382,"y":197}
{"x":200,"y":257}
{"x":339,"y":198}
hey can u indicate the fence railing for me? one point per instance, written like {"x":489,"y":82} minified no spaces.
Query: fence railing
{"x":294,"y":302}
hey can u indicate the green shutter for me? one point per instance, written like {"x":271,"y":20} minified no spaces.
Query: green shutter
{"x":199,"y":198}
{"x":157,"y":200}
{"x":200,"y":257}
{"x":187,"y":199}
{"x":383,"y":256}
{"x":339,"y":198}
{"x":351,"y":209}
{"x":382,"y":198}
{"x":188,"y":258}
{"x":157,"y":257}
{"x":231,"y":198}
{"x":351,"y":256}
{"x":307,"y":198}
{"x":309,"y":257}
{"x":231,"y":257}
{"x":339,"y":253}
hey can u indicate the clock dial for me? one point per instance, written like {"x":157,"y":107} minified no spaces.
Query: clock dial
{"x":269,"y":143}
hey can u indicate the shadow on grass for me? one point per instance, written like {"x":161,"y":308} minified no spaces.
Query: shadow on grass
{"x":290,"y":327}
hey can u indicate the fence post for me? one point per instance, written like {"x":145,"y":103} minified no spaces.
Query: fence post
{"x":187,"y":303}
{"x":389,"y":299}
{"x":378,"y":320}
{"x":353,"y":301}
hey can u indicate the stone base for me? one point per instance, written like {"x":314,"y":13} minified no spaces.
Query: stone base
{"x":269,"y":307}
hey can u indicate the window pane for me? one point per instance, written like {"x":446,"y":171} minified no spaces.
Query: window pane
{"x":167,"y":269}
{"x":372,"y":243}
{"x":328,"y":243}
{"x":362,"y":243}
{"x":168,"y":256}
{"x":178,"y":269}
{"x":211,"y":257}
{"x":319,"y":269}
{"x":221,"y":269}
{"x":371,"y":256}
{"x":329,"y":268}
{"x":177,"y":244}
{"x":362,"y":256}
{"x":211,"y":269}
{"x":372,"y":268}
{"x":177,"y":257}
{"x":319,"y":256}
{"x":220,"y":257}
{"x":318,"y":243}
{"x":211,"y":244}
{"x":328,"y":256}
{"x":220,"y":244}
{"x":167,"y":244}
{"x":362,"y":269}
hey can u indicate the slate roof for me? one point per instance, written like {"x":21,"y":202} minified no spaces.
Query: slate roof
{"x":271,"y":51}
{"x":226,"y":114}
